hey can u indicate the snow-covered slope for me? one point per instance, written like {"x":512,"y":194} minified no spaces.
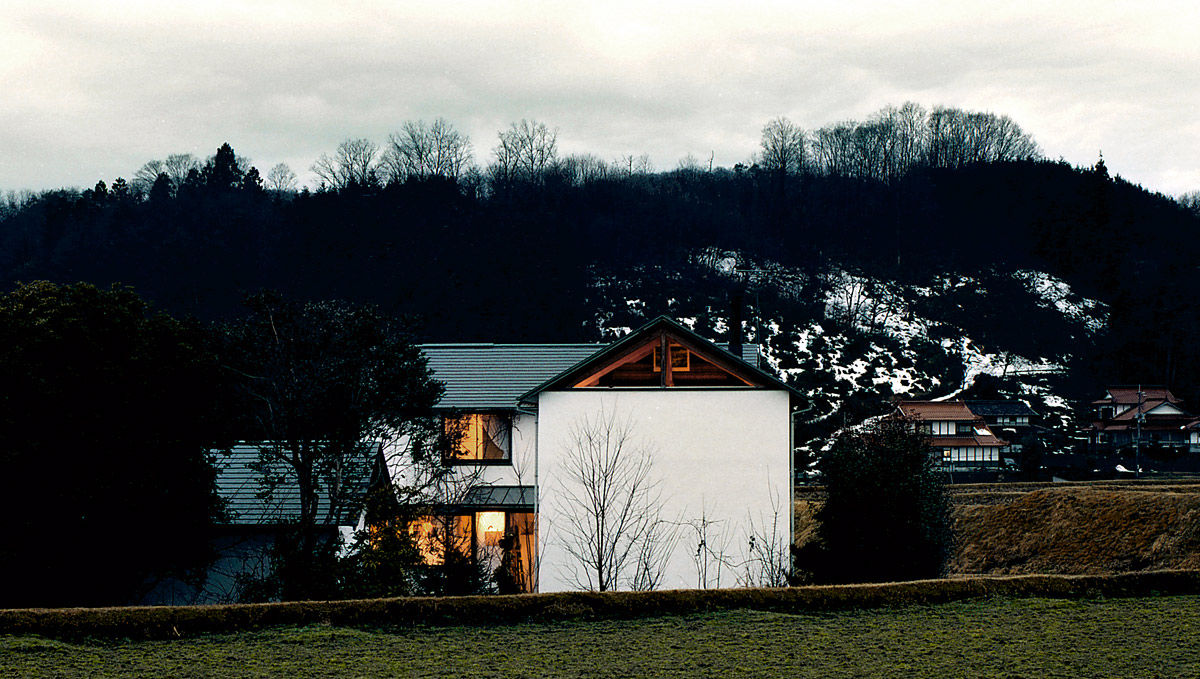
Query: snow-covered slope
{"x":854,"y":343}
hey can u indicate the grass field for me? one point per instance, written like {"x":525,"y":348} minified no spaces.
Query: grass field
{"x":1138,"y":637}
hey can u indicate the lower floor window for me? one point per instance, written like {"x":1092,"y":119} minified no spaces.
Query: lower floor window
{"x":503,"y":542}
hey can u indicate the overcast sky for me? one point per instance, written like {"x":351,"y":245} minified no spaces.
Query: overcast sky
{"x":92,"y":90}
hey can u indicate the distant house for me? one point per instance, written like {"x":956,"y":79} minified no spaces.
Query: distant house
{"x":962,"y":438}
{"x":717,"y":428}
{"x":1011,"y":419}
{"x":1154,"y":411}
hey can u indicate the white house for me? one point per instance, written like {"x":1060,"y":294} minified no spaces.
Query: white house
{"x":706,"y":432}
{"x":961,"y":439}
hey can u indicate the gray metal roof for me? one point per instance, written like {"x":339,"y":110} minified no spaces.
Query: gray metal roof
{"x":490,"y":376}
{"x":240,"y":483}
{"x":994,"y":408}
{"x":494,"y":376}
{"x":500,"y":497}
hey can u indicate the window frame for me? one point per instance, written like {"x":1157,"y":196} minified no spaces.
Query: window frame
{"x":507,"y":429}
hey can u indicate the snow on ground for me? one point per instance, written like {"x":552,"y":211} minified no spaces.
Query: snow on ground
{"x":1003,"y":364}
{"x":871,"y":338}
{"x":1055,"y":293}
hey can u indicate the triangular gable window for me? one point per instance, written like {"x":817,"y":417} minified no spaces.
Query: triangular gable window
{"x":643,"y":366}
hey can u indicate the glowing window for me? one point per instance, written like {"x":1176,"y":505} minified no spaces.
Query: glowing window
{"x":479,"y":438}
{"x":434,"y":536}
{"x":681,"y":358}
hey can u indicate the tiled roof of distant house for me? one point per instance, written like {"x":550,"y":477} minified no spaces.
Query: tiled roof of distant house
{"x":240,"y":483}
{"x":1128,"y":396}
{"x":994,"y":408}
{"x":936,"y":410}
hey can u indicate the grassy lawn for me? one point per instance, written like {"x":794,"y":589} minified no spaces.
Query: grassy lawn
{"x":1145,"y":637}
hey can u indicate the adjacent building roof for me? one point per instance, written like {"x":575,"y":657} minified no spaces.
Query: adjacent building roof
{"x":997,"y":408}
{"x":501,"y":497}
{"x":936,"y":410}
{"x":496,"y":376}
{"x":983,"y":440}
{"x":1127,"y":395}
{"x":251,"y":502}
{"x":493,"y":376}
{"x":929,"y":411}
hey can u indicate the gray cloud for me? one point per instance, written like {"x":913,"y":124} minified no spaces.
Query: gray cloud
{"x":93,"y":91}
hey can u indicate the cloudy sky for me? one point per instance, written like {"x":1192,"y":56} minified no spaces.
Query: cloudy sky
{"x":92,"y":90}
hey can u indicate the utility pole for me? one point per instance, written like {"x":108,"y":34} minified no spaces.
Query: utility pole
{"x":1137,"y":441}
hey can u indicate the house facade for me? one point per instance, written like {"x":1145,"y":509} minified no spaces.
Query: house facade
{"x":1152,"y":413}
{"x":1011,"y":420}
{"x":703,"y":435}
{"x":962,"y":440}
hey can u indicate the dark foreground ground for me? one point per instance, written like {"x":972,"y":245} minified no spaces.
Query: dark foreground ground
{"x":1143,"y":637}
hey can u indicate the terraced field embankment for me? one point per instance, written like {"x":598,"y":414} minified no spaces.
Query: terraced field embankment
{"x":1091,"y":527}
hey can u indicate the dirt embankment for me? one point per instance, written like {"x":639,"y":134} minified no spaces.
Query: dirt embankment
{"x":1092,"y":528}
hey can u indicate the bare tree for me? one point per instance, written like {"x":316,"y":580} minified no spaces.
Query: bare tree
{"x":423,"y":150}
{"x":610,"y":501}
{"x":768,"y":552}
{"x":281,"y":178}
{"x":833,"y":149}
{"x":584,"y":169}
{"x":178,"y":165}
{"x":711,"y":555}
{"x":782,"y":147}
{"x":1191,"y":202}
{"x":630,"y":165}
{"x":143,"y":180}
{"x":526,"y":150}
{"x":353,"y":164}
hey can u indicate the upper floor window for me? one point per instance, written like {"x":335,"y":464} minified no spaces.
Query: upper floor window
{"x":479,"y":438}
{"x":681,"y":358}
{"x":942,"y":428}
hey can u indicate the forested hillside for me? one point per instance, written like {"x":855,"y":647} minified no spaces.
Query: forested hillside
{"x":903,"y":255}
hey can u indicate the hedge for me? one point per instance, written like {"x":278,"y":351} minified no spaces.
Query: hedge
{"x":161,"y":622}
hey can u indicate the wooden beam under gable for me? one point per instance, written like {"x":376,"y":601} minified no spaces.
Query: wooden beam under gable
{"x":725,"y":363}
{"x":668,"y":380}
{"x":635,"y":354}
{"x":667,"y":343}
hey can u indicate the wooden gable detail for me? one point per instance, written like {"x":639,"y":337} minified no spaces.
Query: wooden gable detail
{"x":667,"y":360}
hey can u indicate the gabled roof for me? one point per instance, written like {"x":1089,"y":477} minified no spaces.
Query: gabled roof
{"x":1148,"y":407}
{"x":240,"y":483}
{"x":936,"y":410}
{"x":494,"y":376}
{"x":663,"y":324}
{"x":981,"y":440}
{"x":1127,"y":395}
{"x":995,"y":408}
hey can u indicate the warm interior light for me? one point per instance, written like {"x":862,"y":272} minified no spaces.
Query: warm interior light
{"x":490,"y":526}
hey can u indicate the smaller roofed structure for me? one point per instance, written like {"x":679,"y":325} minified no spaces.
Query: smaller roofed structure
{"x":962,"y":437}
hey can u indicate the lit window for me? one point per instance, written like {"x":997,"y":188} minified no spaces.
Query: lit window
{"x":434,"y":538}
{"x":478,"y":438}
{"x":489,"y":528}
{"x":681,"y":358}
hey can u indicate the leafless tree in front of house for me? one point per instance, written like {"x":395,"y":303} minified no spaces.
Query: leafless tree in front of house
{"x":610,"y":501}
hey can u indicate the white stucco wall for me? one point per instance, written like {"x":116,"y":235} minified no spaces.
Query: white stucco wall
{"x":520,"y":473}
{"x":721,"y":454}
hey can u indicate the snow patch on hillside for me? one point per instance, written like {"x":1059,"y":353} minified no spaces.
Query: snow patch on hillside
{"x":1055,"y":293}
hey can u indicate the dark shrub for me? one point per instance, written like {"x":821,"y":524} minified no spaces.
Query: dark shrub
{"x":887,"y":514}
